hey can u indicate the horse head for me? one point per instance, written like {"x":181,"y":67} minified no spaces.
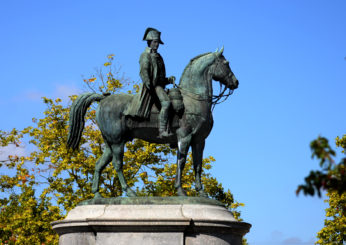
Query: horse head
{"x":222,"y":71}
{"x":204,"y":68}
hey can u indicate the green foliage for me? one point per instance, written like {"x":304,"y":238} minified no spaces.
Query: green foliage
{"x":46,"y":183}
{"x":24,"y":217}
{"x":334,"y":230}
{"x":331,"y":179}
{"x":332,"y":176}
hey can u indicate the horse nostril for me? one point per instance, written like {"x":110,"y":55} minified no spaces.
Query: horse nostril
{"x":235,"y":85}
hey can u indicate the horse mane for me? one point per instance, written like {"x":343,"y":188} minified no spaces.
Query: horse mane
{"x":198,"y":56}
{"x":191,"y":61}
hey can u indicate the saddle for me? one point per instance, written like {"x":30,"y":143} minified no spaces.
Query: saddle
{"x":175,"y":113}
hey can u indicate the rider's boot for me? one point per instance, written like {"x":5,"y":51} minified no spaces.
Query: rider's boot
{"x":163,"y":119}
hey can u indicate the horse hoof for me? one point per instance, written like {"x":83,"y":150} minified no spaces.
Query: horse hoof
{"x":130,"y":192}
{"x":97,"y":195}
{"x":201,"y":193}
{"x":181,"y":192}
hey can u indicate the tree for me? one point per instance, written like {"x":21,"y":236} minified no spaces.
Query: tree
{"x":334,"y":230}
{"x":331,"y":179}
{"x":332,"y":176}
{"x":44,"y":185}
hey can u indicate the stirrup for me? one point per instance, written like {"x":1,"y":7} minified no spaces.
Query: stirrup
{"x":164,"y":134}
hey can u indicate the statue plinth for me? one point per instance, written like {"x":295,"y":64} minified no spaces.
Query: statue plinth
{"x":176,"y":221}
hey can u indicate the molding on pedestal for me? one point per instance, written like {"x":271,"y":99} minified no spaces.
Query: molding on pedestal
{"x":155,"y":223}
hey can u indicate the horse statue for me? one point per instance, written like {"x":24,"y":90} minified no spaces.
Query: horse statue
{"x":190,"y":128}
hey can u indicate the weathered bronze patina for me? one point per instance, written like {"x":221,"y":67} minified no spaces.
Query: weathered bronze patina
{"x":153,"y":74}
{"x":122,"y":118}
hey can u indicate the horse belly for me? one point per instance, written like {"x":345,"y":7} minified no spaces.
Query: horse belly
{"x":202,"y":126}
{"x":148,"y":130}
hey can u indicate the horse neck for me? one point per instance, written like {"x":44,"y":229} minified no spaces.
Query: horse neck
{"x":197,"y":78}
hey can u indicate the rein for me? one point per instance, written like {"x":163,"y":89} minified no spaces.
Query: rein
{"x":214,"y":99}
{"x":194,"y":95}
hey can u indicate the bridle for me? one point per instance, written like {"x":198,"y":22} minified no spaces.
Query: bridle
{"x":221,"y":97}
{"x":214,"y":99}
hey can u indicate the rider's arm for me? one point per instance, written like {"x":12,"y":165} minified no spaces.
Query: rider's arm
{"x":145,"y":68}
{"x":170,"y":80}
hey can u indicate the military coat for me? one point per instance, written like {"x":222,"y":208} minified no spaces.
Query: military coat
{"x":153,"y":73}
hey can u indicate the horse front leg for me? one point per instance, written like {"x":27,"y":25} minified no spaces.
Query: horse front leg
{"x":101,"y":163}
{"x":197,"y":157}
{"x":183,"y":148}
{"x":118,"y":154}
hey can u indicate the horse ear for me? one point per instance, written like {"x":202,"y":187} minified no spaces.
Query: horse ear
{"x":219,"y":53}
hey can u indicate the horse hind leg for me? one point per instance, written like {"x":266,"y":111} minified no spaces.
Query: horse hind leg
{"x":101,"y":163}
{"x":118,"y":154}
{"x":197,"y":155}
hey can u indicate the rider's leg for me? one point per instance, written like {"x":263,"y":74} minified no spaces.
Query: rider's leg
{"x":165,"y":104}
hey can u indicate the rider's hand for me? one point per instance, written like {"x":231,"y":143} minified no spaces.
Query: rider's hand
{"x":171,"y":79}
{"x":147,"y":85}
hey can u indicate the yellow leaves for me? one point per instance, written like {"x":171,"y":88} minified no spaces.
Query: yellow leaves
{"x":14,"y":158}
{"x":341,"y":142}
{"x":143,"y":175}
{"x":186,"y":186}
{"x":335,"y":226}
{"x":237,"y":204}
{"x":91,"y":80}
{"x":47,"y":100}
{"x":25,"y":217}
{"x":110,"y":56}
{"x":136,"y":88}
{"x":73,"y":97}
{"x":93,"y":113}
{"x":67,"y":174}
{"x":23,"y":178}
{"x":113,"y":84}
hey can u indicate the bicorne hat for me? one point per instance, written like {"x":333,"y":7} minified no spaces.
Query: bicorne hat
{"x":152,"y":34}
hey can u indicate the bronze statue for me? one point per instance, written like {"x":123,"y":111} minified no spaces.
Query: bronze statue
{"x":153,"y":74}
{"x":190,"y":125}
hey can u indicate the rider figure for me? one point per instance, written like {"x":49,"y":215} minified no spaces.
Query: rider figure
{"x":153,"y":75}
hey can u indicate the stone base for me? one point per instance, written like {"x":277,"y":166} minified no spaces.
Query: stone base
{"x":154,"y":224}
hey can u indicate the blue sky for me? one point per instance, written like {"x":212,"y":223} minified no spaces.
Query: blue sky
{"x":289,"y":57}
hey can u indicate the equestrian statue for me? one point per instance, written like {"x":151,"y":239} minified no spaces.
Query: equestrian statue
{"x":180,"y":116}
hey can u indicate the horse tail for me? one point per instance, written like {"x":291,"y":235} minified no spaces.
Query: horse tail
{"x":77,"y":121}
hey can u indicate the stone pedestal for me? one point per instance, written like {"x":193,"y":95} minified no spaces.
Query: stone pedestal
{"x":172,"y":221}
